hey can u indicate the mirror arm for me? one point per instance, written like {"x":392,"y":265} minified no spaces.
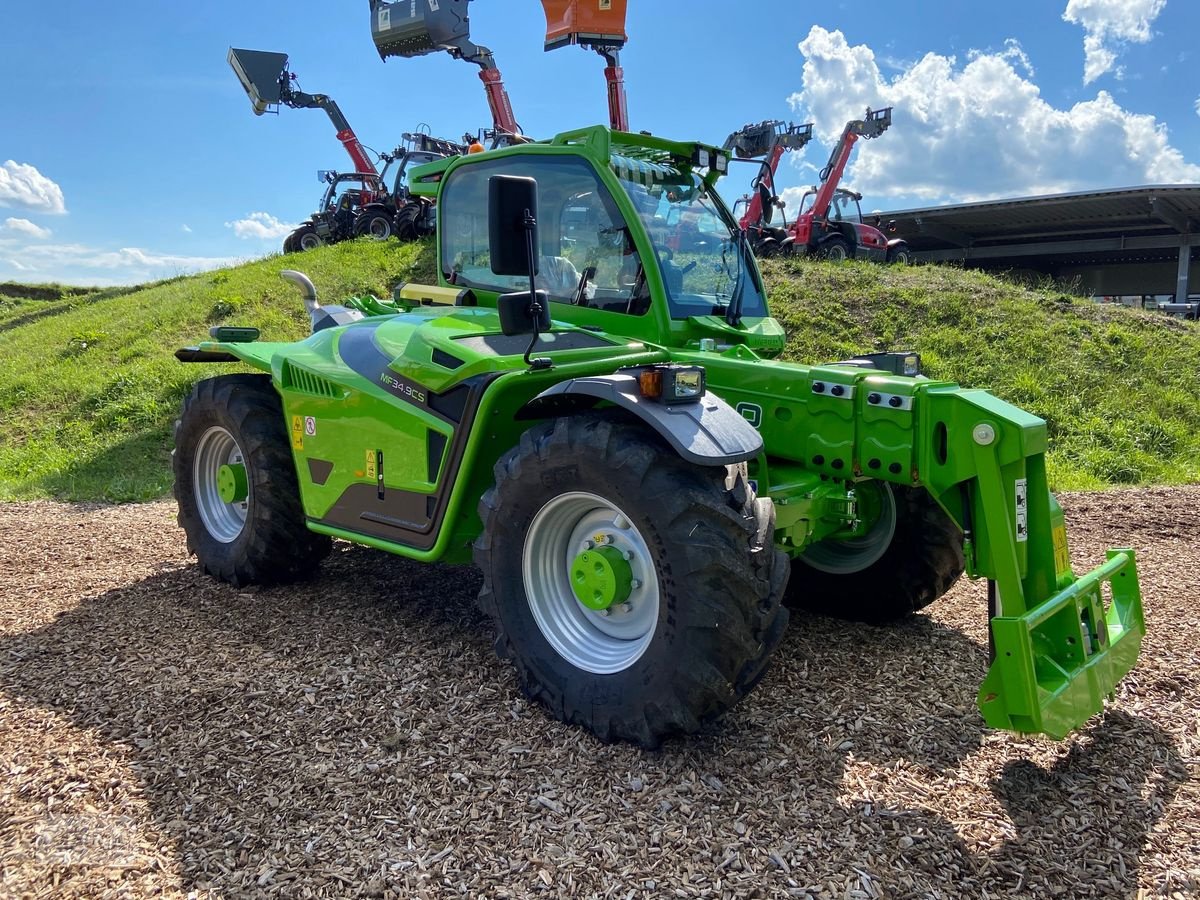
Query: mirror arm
{"x":535,"y":305}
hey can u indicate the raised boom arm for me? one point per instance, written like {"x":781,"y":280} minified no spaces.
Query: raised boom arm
{"x":406,"y":29}
{"x":769,"y":139}
{"x":602,"y":28}
{"x":871,"y":126}
{"x":266,"y":79}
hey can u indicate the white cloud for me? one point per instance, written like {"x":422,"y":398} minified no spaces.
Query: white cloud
{"x":977,"y":131}
{"x":24,"y":226}
{"x":80,"y":263}
{"x":1108,"y":24}
{"x":260,"y":226}
{"x":1198,"y":106}
{"x":187,"y":229}
{"x":24,"y":187}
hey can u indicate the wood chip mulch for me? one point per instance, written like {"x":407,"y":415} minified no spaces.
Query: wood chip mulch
{"x":165,"y":735}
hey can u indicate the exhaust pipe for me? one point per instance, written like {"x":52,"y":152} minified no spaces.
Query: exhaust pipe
{"x":320,"y":316}
{"x":307,"y":290}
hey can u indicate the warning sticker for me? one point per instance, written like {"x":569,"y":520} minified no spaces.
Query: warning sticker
{"x":371,"y":472}
{"x":1062,"y":559}
{"x":310,"y":426}
{"x":297,"y":433}
{"x":1022,"y":510}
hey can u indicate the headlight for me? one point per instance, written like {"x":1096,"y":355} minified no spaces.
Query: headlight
{"x":672,"y":384}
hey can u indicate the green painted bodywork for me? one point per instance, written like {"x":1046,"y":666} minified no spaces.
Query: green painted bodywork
{"x":829,"y":432}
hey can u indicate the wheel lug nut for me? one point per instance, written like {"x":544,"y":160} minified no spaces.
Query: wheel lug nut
{"x":634,"y":584}
{"x":586,"y":545}
{"x":627,"y":555}
{"x":626,"y":608}
{"x":605,"y":613}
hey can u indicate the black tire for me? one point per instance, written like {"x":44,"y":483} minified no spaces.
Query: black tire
{"x":766,"y":248}
{"x":836,"y":249}
{"x":922,"y":560}
{"x":305,"y":238}
{"x":899,"y":255}
{"x":718,"y":578}
{"x":273,"y":545}
{"x":375,"y":224}
{"x":409,"y":220}
{"x":289,"y":244}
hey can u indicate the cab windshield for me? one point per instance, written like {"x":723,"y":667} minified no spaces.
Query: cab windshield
{"x":704,"y":264}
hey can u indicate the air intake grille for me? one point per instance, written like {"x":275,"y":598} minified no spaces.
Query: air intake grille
{"x":305,"y":382}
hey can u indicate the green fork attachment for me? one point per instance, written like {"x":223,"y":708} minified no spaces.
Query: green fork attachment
{"x":1060,"y":643}
{"x":1055,"y":663}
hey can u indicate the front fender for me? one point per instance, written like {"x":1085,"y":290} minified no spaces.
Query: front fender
{"x":708,"y":433}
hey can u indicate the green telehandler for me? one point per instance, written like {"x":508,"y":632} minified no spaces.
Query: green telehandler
{"x":589,"y":405}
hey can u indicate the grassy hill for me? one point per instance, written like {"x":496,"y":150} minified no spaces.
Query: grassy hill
{"x":89,"y":386}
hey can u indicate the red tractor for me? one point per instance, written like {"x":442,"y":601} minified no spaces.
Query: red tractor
{"x":827,"y":225}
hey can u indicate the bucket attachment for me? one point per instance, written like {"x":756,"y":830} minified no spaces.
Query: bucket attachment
{"x":407,"y":29}
{"x":592,"y":23}
{"x":262,"y":76}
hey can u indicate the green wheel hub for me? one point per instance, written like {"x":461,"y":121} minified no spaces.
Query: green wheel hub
{"x":231,"y":483}
{"x":601,"y":578}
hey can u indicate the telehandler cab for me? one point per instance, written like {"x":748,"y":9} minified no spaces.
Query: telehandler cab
{"x":601,"y":423}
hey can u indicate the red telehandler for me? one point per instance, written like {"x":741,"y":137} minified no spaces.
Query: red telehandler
{"x":827,"y":226}
{"x":358,"y":202}
{"x":268,"y":82}
{"x":767,"y":141}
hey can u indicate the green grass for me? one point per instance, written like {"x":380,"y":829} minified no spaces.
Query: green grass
{"x":89,"y":385}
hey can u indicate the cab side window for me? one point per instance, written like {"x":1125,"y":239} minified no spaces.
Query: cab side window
{"x":580,"y":232}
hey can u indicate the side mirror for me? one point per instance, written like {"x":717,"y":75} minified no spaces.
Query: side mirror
{"x":512,"y":225}
{"x":512,"y":245}
{"x":517,"y":313}
{"x":764,"y":201}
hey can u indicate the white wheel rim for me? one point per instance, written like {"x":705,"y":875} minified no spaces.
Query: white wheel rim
{"x":586,"y":638}
{"x":224,"y":521}
{"x":856,"y":554}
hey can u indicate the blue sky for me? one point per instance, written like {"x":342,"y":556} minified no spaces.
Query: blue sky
{"x":130,"y":152}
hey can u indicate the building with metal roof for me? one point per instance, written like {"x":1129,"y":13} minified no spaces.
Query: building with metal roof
{"x":1120,"y":243}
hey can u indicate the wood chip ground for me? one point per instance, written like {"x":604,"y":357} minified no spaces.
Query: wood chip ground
{"x":165,"y":735}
